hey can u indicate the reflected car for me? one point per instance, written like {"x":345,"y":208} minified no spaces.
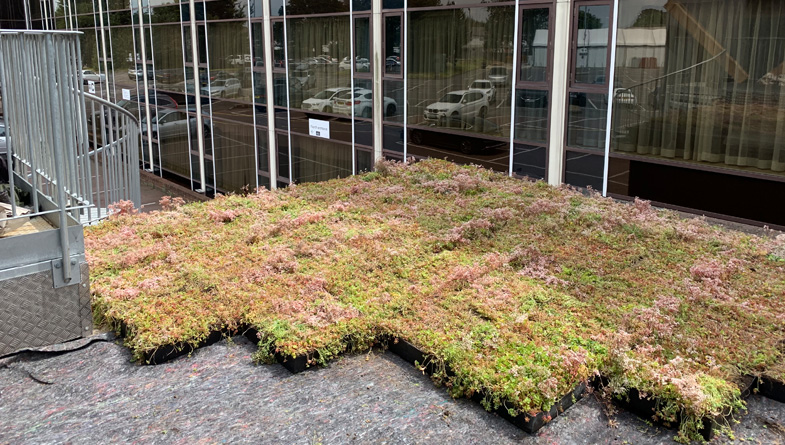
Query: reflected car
{"x":169,"y":75}
{"x":363,"y":104}
{"x":499,"y":75}
{"x":303,"y":76}
{"x":362,"y":65}
{"x":457,"y":107}
{"x":3,"y":143}
{"x":532,"y":99}
{"x":168,"y":124}
{"x":138,"y":73}
{"x":392,"y":65}
{"x":323,"y":101}
{"x":486,"y":86}
{"x":320,"y":62}
{"x":222,"y":88}
{"x":92,"y":76}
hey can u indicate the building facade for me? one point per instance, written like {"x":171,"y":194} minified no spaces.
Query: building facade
{"x":681,"y":102}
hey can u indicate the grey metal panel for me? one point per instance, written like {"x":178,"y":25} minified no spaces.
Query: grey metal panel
{"x":36,"y":314}
{"x":33,"y":248}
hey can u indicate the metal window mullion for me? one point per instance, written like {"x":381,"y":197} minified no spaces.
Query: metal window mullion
{"x":352,"y":40}
{"x":405,"y":78}
{"x":155,"y":97}
{"x":197,"y":95}
{"x":210,"y":105}
{"x":288,"y":100}
{"x":609,"y":116}
{"x":253,"y":88}
{"x":185,"y":87}
{"x":269,"y":61}
{"x":145,"y":84}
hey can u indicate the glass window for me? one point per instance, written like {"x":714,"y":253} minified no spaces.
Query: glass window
{"x":316,"y":160}
{"x":529,"y":160}
{"x":531,"y":115}
{"x":702,"y":83}
{"x":592,"y":37}
{"x":167,"y":54}
{"x":318,"y":61}
{"x":449,"y":50}
{"x":230,"y":62}
{"x":234,"y":156}
{"x":534,"y":50}
{"x":392,"y":45}
{"x":393,"y":100}
{"x":584,"y":170}
{"x":362,"y":45}
{"x":586,"y":120}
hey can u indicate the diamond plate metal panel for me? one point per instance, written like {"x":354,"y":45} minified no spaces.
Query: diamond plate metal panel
{"x":33,"y":313}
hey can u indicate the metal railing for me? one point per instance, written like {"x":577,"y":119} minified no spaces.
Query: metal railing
{"x":69,"y":155}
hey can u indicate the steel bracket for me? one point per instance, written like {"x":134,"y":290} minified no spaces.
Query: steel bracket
{"x":59,"y":279}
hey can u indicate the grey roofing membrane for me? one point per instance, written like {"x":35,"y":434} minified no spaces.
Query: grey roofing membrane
{"x":96,"y":394}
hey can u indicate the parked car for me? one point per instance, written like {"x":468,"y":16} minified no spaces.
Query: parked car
{"x":92,"y":76}
{"x":323,"y":101}
{"x":169,"y":75}
{"x":499,"y":75}
{"x":392,"y":65}
{"x":168,"y":124}
{"x":486,"y":86}
{"x":303,"y":76}
{"x":138,"y":73}
{"x":320,"y":62}
{"x":222,"y":88}
{"x":531,"y":99}
{"x":3,"y":143}
{"x":361,"y":64}
{"x":363,"y":103}
{"x":456,"y":107}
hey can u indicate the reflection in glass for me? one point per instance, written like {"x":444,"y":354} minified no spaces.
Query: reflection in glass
{"x":702,"y":82}
{"x":586,"y":120}
{"x":393,"y":93}
{"x":362,"y":44}
{"x":316,"y":160}
{"x":531,"y":115}
{"x":230,"y":61}
{"x":584,"y":170}
{"x":591,"y":56}
{"x":534,"y":45}
{"x":392,"y":45}
{"x":233,"y":148}
{"x":316,"y":45}
{"x":460,"y":62}
{"x":529,"y":160}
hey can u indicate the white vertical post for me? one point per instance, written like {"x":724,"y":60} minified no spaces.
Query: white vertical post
{"x":377,"y":55}
{"x":145,"y":84}
{"x":288,"y":99}
{"x":611,"y":95}
{"x":558,"y":117}
{"x":351,"y":77}
{"x":253,"y":112}
{"x":513,"y":81}
{"x":269,"y":63}
{"x":197,"y":94}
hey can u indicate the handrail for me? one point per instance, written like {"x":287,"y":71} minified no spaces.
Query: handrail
{"x":111,"y":105}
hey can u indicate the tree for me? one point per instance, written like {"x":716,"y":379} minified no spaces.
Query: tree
{"x":650,"y":18}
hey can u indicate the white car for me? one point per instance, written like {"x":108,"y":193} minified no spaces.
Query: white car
{"x":363,"y":104}
{"x":323,"y":101}
{"x":456,"y":107}
{"x":92,"y":76}
{"x":361,"y":65}
{"x":499,"y":75}
{"x":486,"y":86}
{"x":222,"y":88}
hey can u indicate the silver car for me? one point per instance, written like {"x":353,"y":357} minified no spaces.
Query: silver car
{"x":169,"y":124}
{"x":457,"y":107}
